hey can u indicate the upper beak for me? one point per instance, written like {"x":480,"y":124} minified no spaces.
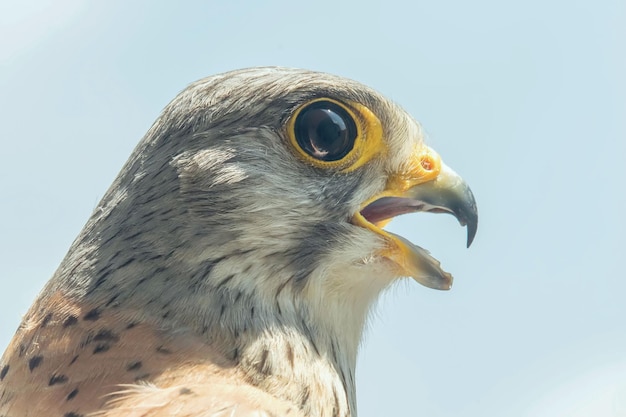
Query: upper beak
{"x":438,"y":190}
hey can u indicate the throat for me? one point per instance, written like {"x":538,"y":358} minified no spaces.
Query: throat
{"x":286,"y":349}
{"x":315,"y":375}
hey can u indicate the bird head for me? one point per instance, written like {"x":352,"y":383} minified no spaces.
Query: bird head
{"x":264,"y":179}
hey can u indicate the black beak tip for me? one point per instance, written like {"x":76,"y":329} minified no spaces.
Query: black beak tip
{"x":469,"y":214}
{"x":471,"y":232}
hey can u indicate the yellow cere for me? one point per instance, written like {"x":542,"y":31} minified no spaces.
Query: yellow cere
{"x":424,"y":166}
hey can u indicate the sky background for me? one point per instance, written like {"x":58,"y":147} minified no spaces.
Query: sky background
{"x":526,"y":100}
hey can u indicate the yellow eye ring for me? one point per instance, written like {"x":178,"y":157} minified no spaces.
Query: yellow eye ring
{"x":328,"y":133}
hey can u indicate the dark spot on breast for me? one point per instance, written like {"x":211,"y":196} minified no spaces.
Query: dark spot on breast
{"x":290,"y":354}
{"x":106,"y":336}
{"x":126,"y":263}
{"x":140,"y":377}
{"x":101,"y":347}
{"x":70,"y":321}
{"x":133,"y":366}
{"x":57,"y":379}
{"x":141,"y":281}
{"x":73,"y":360}
{"x":34,"y":362}
{"x":305,"y":397}
{"x":310,"y":337}
{"x":336,"y":406}
{"x":46,"y":320}
{"x":264,"y":367}
{"x":112,"y":300}
{"x":130,"y":325}
{"x":225,"y":280}
{"x":248,"y":268}
{"x":72,"y":394}
{"x":185,"y":391}
{"x":280,"y":288}
{"x":333,"y":351}
{"x":4,"y":371}
{"x":103,"y":276}
{"x":92,"y":315}
{"x":164,"y":351}
{"x":86,"y":340}
{"x":72,"y":414}
{"x":343,"y":380}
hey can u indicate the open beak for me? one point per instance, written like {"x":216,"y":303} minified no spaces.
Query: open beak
{"x":428,"y":185}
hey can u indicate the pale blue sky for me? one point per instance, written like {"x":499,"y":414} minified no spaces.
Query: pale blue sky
{"x":526,"y":100}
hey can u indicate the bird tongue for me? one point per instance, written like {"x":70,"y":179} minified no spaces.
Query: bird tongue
{"x":388,"y":207}
{"x":418,"y":264}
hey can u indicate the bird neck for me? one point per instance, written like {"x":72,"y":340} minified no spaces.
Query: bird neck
{"x":281,"y":343}
{"x":296,"y":340}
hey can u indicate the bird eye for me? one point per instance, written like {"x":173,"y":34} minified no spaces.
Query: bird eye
{"x":325,"y":131}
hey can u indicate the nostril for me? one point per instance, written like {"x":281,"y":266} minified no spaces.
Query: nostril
{"x":427,"y":163}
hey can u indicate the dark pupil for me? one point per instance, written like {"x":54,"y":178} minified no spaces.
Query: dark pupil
{"x":325,"y":131}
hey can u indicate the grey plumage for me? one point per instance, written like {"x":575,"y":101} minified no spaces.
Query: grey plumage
{"x":217,"y":229}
